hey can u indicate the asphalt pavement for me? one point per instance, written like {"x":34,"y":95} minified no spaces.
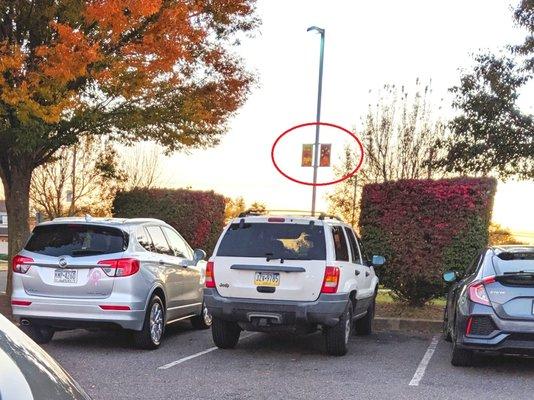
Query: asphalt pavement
{"x":187,"y":366}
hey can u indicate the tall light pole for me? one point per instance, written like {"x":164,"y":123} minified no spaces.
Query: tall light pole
{"x":317,"y":127}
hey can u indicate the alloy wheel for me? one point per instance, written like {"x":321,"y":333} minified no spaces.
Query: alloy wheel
{"x":156,"y":323}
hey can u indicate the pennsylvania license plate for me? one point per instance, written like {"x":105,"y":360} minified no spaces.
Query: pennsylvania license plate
{"x":271,"y":279}
{"x":65,"y":276}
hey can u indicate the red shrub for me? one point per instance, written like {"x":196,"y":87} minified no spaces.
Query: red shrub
{"x":425,"y":227}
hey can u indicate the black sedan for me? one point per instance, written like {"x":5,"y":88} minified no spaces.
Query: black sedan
{"x":27,"y":372}
{"x":491,"y":307}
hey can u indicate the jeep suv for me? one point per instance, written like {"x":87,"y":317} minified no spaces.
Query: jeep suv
{"x":290,"y":273}
{"x":135,"y":274}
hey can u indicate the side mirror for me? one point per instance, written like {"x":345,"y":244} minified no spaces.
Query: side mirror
{"x":450,"y":276}
{"x":199,"y":255}
{"x":378,"y":261}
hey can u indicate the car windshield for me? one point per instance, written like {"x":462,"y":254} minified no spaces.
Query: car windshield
{"x":274,"y":240}
{"x":76,"y":240}
{"x":514,"y":262}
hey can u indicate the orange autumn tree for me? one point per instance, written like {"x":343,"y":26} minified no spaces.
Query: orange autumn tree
{"x":161,"y":70}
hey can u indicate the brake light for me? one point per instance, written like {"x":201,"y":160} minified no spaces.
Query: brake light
{"x":20,"y":264}
{"x":110,"y":307}
{"x":21,"y":303}
{"x":276,"y":219}
{"x":120,"y":267}
{"x":210,"y":278}
{"x":331,"y":280}
{"x":477,"y":291}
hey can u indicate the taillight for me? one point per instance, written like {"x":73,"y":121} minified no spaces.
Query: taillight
{"x":477,"y":291}
{"x":120,"y":267}
{"x":331,"y":280}
{"x":276,"y":219}
{"x":210,"y":277}
{"x":20,"y":264}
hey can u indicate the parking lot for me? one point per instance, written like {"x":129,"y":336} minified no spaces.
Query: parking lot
{"x":187,"y":366}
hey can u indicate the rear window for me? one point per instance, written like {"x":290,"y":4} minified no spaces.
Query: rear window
{"x":286,"y":241}
{"x":510,"y":262}
{"x":76,"y":240}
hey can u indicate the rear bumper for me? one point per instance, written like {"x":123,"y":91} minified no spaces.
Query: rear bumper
{"x":78,"y":313}
{"x":508,"y":337}
{"x":326,"y":310}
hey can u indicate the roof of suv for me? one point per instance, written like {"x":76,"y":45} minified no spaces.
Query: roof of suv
{"x":297,"y":217}
{"x":101,"y":221}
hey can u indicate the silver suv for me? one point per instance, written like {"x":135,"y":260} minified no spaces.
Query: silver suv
{"x":135,"y":274}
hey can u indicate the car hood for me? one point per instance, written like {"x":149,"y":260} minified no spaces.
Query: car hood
{"x":28,"y":372}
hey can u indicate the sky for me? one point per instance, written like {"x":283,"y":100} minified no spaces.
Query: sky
{"x":367,"y":44}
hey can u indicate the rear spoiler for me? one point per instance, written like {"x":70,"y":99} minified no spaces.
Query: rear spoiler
{"x":522,"y":255}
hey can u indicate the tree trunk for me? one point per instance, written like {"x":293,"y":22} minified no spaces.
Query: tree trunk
{"x":17,"y":191}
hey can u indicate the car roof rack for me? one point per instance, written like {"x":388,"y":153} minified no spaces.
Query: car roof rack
{"x":255,"y":213}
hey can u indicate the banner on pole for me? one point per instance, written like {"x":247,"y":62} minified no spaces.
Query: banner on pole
{"x":307,"y":155}
{"x":324,"y":160}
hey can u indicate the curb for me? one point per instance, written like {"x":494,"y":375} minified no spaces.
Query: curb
{"x":408,"y":324}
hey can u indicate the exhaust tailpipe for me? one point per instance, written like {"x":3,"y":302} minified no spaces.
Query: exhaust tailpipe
{"x":25,"y":322}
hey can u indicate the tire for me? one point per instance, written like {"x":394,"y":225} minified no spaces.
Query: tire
{"x":202,"y":321}
{"x":150,"y":336}
{"x":337,"y":336}
{"x":225,"y":333}
{"x":446,"y":331}
{"x":41,"y":334}
{"x":461,"y":357}
{"x":364,"y":326}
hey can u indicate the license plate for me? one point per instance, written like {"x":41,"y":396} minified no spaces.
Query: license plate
{"x":65,"y":276}
{"x":271,"y":279}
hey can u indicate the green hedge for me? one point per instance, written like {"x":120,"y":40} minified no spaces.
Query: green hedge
{"x":197,"y":215}
{"x":423,"y":228}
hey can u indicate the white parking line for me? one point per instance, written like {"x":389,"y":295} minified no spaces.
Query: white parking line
{"x":200,"y":353}
{"x":420,"y":372}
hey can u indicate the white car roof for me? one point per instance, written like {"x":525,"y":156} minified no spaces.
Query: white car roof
{"x":288,"y":218}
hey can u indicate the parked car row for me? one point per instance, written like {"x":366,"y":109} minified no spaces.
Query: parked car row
{"x":267,"y":273}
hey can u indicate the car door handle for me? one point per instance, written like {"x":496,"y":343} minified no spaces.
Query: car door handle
{"x":357,"y":272}
{"x":161,"y":262}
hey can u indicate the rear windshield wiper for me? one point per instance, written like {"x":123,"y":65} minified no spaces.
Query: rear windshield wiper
{"x":270,"y":256}
{"x":529,"y":273}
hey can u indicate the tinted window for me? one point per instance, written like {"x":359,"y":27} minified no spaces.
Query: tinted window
{"x":514,"y":262}
{"x":473,"y":266}
{"x":340,"y":244}
{"x":158,"y":239}
{"x":355,"y":253}
{"x":76,"y":240}
{"x":178,"y":245}
{"x":286,"y":241}
{"x":143,"y":239}
{"x":366,"y":257}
